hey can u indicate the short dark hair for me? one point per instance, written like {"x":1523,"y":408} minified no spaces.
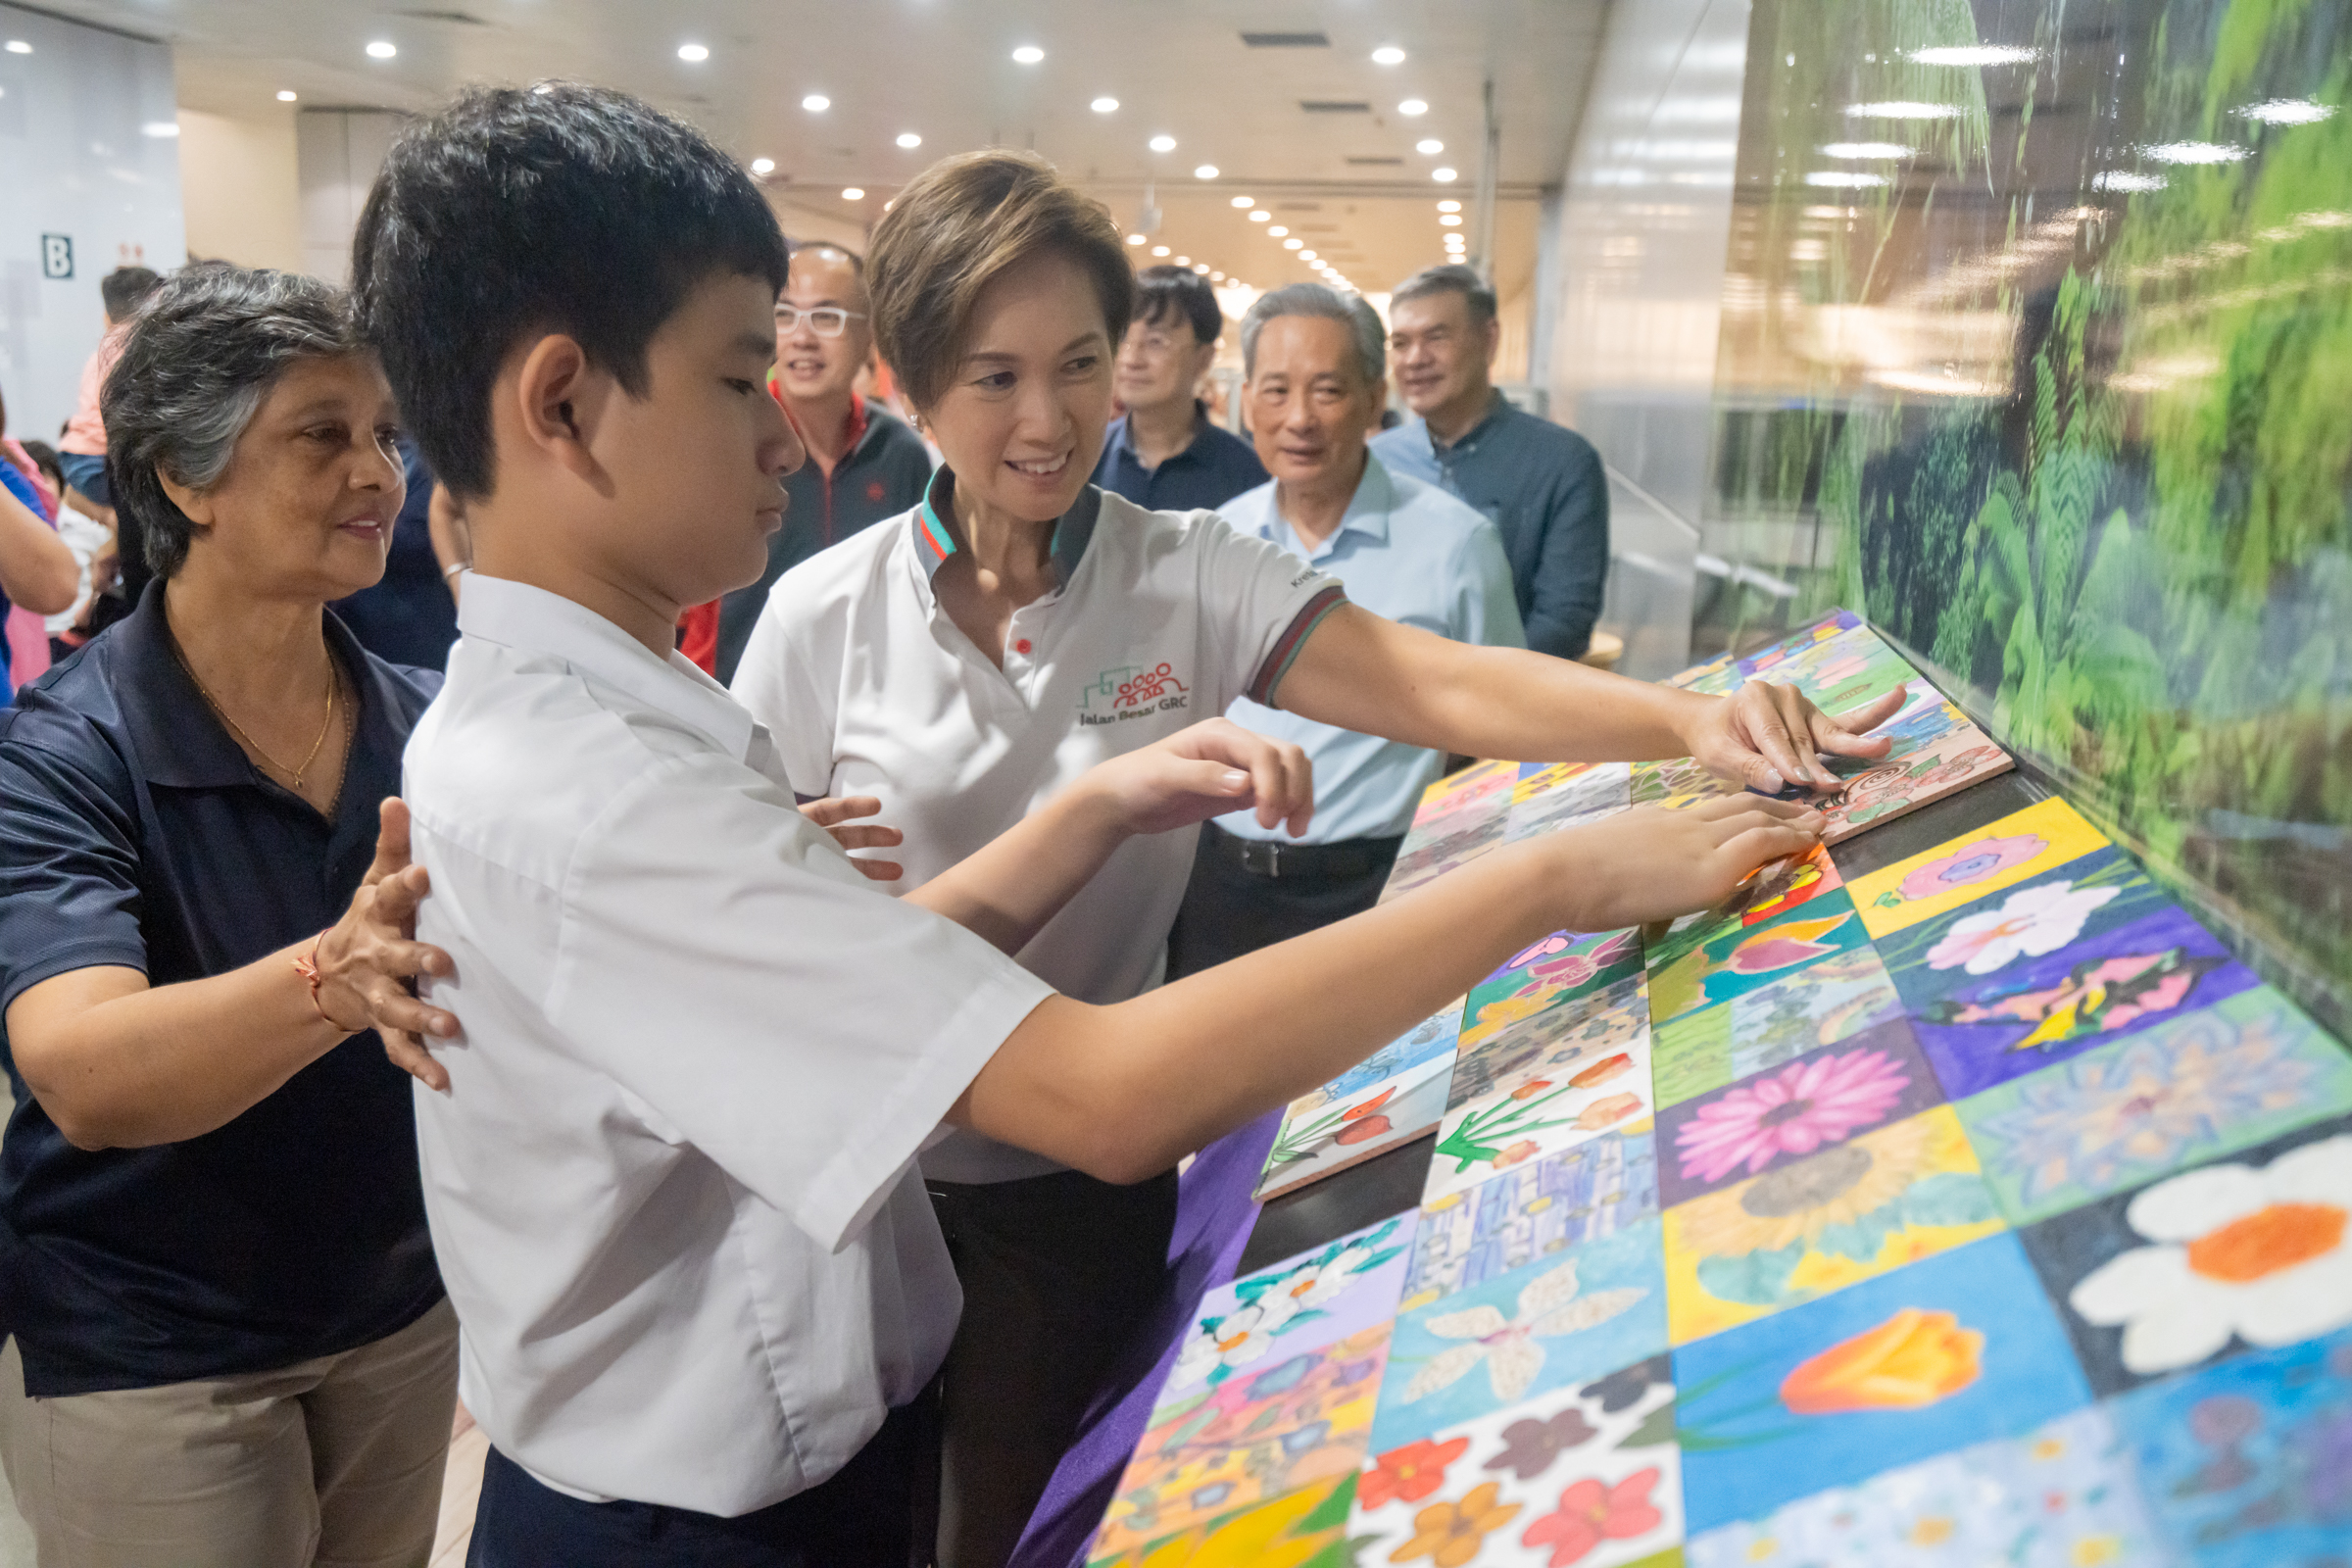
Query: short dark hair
{"x":1451,"y":279}
{"x":1167,"y":294}
{"x":963,"y":222}
{"x":44,"y":458}
{"x":200,"y":355}
{"x":555,"y":209}
{"x":124,"y":287}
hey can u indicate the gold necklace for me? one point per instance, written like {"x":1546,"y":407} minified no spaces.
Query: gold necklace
{"x":213,"y":702}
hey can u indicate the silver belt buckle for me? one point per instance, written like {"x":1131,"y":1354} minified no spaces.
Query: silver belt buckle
{"x":1262,"y":856}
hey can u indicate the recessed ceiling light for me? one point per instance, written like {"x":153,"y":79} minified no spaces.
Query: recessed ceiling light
{"x":1429,"y":147}
{"x":1216,"y":277}
{"x":1104,"y":106}
{"x":160,"y":127}
{"x":2289,"y":111}
{"x":1903,"y":109}
{"x":1135,"y":239}
{"x":1028,"y":54}
{"x":763,"y":166}
{"x":1278,"y":231}
{"x":1164,"y":144}
{"x":1305,"y":255}
{"x":18,"y":46}
{"x":1260,"y":215}
{"x":1450,"y":204}
{"x":284,"y":97}
{"x":1388,"y":54}
{"x":1979,"y":54}
{"x":693,"y":54}
{"x":1451,"y":219}
{"x":1244,"y":200}
{"x":380,"y":49}
{"x":1159,"y":250}
{"x":908,"y":138}
{"x":1206,"y":172}
{"x":1293,"y":243}
{"x":1184,"y":260}
{"x":1201,"y":268}
{"x":1412,"y":107}
{"x":853,"y":194}
{"x":816,"y":103}
{"x":1866,"y":149}
{"x":888,"y":205}
{"x":1443,"y":176}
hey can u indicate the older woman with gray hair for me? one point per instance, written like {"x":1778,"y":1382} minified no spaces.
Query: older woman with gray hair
{"x":230,"y":1344}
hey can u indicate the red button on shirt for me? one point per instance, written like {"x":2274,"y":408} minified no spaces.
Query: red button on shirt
{"x":1021,"y":647}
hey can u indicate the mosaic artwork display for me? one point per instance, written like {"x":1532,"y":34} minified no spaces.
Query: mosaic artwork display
{"x":1979,"y":1207}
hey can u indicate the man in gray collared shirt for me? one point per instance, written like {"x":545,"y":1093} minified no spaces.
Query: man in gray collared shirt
{"x":1540,"y":483}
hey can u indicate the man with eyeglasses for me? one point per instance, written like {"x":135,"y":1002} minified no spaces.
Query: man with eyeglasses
{"x":863,"y":464}
{"x":1164,"y":454}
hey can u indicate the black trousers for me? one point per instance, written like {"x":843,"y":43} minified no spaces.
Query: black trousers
{"x":1061,"y":1274}
{"x":1229,"y":910}
{"x":875,"y":1512}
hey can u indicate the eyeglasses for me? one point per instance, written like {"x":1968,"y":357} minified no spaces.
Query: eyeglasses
{"x":827,"y":320}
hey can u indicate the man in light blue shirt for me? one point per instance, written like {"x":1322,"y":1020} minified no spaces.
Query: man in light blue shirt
{"x":1314,"y":360}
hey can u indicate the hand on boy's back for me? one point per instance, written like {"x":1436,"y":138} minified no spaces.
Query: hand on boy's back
{"x":1770,"y":737}
{"x":1205,"y":770}
{"x":1650,"y":863}
{"x":836,"y":815}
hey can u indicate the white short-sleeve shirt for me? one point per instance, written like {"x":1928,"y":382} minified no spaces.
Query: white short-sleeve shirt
{"x":672,"y":1185}
{"x":1162,"y":619}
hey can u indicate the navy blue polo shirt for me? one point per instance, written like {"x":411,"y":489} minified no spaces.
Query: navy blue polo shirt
{"x":1217,"y":467}
{"x":137,"y":833}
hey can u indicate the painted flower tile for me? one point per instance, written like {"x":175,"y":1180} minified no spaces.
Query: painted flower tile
{"x":2046,"y":970}
{"x":1957,"y":1350}
{"x":1821,"y":1222}
{"x":2248,"y":1464}
{"x":1532,"y":1211}
{"x":2065,"y":1495}
{"x":1321,"y":1139}
{"x":2249,"y":1251}
{"x":2180,"y":1092}
{"x":1586,"y":1475}
{"x":1746,"y":957}
{"x":1584,"y":1078}
{"x":1298,"y":1305}
{"x":1548,"y":974}
{"x":1560,"y":1320}
{"x":1299,"y":1529}
{"x":1587,"y":796}
{"x":2024,"y":844}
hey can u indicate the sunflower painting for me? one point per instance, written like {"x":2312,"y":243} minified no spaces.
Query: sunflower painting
{"x":1820,"y":1222}
{"x":1296,"y":1531}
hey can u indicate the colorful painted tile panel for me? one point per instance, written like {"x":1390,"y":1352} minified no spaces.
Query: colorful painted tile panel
{"x":2179,"y":1093}
{"x":1958,"y":1349}
{"x":1544,"y":1086}
{"x":1745,"y":957}
{"x":1550,"y":973}
{"x":1588,"y":1475}
{"x":1300,"y":1304}
{"x":1855,"y":1210}
{"x":1304,"y":1528}
{"x":1328,"y":1136}
{"x":2024,"y":844}
{"x":1530,"y":1213}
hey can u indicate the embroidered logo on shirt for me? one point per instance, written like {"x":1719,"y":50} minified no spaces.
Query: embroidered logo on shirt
{"x":1131,"y":691}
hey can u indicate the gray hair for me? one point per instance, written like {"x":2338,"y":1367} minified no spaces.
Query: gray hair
{"x":203,"y":352}
{"x":1314,"y":299}
{"x":1451,"y":279}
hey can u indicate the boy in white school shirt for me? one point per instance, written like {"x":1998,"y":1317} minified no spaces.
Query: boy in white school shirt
{"x":671,"y":1184}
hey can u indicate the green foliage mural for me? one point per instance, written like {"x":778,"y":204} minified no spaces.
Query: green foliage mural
{"x":2038,"y":351}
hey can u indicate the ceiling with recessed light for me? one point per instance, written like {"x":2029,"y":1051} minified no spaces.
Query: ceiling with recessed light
{"x":1337,"y":117}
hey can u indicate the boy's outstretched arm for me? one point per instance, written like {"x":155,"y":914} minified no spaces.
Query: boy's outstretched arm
{"x":1123,"y":1092}
{"x":1007,"y":891}
{"x":1361,"y":672}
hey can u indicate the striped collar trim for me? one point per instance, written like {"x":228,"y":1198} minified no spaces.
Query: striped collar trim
{"x":935,"y":542}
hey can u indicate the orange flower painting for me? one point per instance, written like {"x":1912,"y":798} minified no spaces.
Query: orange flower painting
{"x":1913,"y":1359}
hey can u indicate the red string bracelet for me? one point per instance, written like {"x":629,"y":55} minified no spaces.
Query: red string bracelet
{"x":308,"y":969}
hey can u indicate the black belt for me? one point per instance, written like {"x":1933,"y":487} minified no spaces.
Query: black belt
{"x":1276,"y":858}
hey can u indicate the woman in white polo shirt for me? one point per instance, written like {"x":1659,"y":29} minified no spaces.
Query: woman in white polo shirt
{"x":967,"y":661}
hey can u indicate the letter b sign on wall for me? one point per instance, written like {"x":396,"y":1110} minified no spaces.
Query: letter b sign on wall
{"x":57,"y":255}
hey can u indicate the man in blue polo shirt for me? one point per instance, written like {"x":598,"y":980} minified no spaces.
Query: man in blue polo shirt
{"x":1540,"y":483}
{"x":1406,"y":551}
{"x":1164,"y":453}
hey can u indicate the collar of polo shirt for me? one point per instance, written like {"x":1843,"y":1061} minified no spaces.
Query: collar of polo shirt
{"x":935,"y":542}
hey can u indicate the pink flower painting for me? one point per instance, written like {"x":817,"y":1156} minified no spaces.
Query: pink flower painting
{"x":1977,"y":860}
{"x":1792,"y":1111}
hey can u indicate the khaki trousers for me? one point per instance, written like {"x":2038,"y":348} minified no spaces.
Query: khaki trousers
{"x":334,"y":1462}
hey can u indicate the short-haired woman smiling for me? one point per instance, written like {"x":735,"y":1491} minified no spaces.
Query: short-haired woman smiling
{"x":969,"y":661}
{"x":231,"y":1348}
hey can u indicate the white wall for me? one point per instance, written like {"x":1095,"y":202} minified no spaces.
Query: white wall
{"x":336,"y":155}
{"x":237,"y":185}
{"x":1629,"y":294}
{"x":75,"y":161}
